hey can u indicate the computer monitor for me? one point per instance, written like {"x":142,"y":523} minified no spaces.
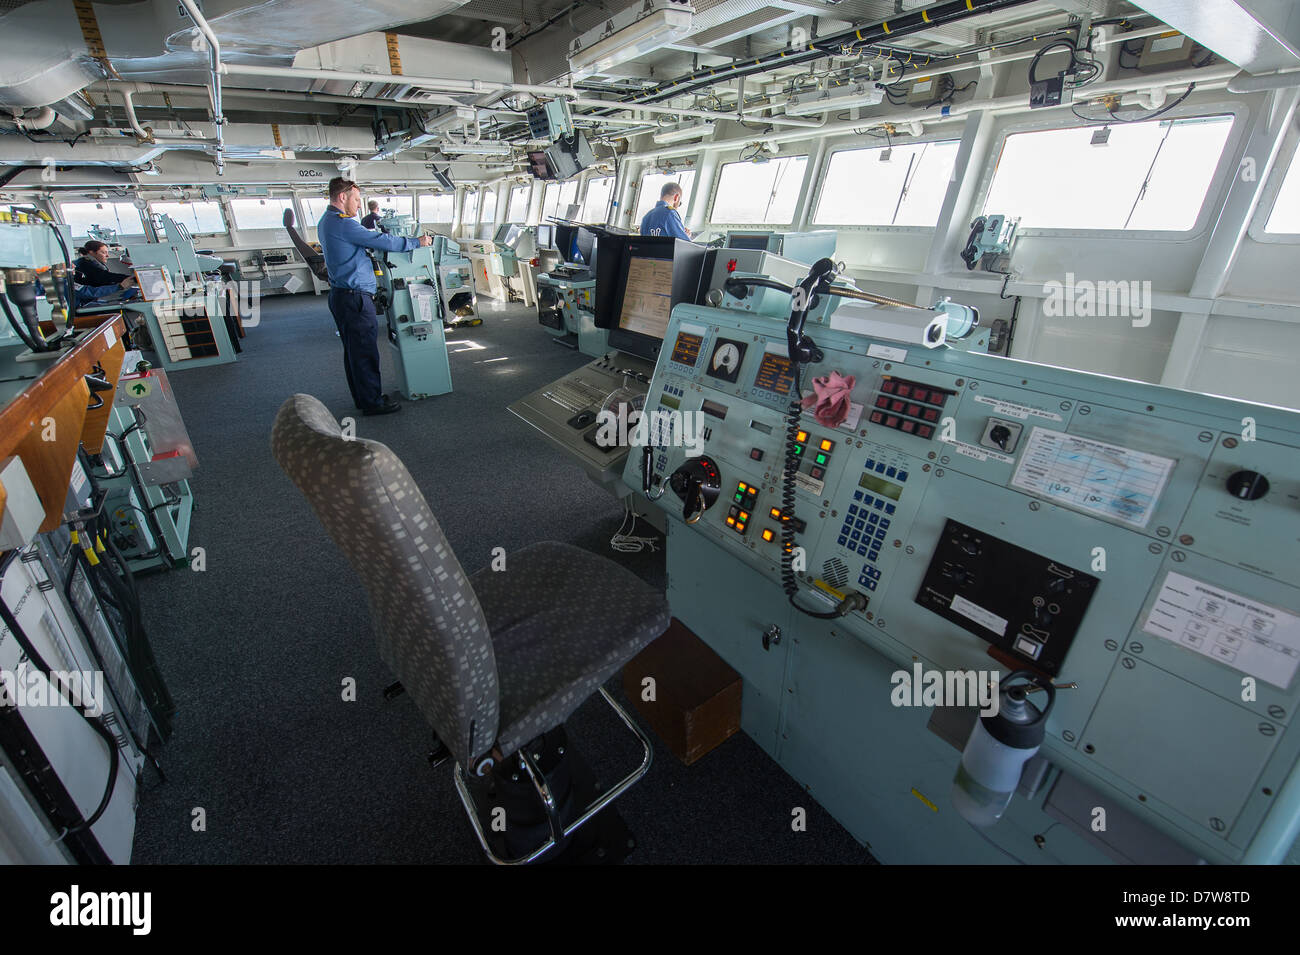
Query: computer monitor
{"x":657,"y":274}
{"x":546,"y":236}
{"x":761,"y":241}
{"x":508,"y":235}
{"x":564,"y":240}
{"x":585,"y":241}
{"x":540,"y":166}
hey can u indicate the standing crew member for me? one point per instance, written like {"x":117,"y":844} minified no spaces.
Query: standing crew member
{"x":664,"y":219}
{"x":352,"y":290}
{"x":371,"y":221}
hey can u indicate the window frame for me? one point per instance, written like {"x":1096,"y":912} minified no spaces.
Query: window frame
{"x":510,"y":198}
{"x":687,"y":208}
{"x":822,"y":173}
{"x":233,"y":223}
{"x":482,"y":192}
{"x":717,"y":181}
{"x":1287,"y":157}
{"x":586,"y":190}
{"x":435,"y":195}
{"x":221,"y":211}
{"x":1204,"y":216}
{"x":140,"y":215}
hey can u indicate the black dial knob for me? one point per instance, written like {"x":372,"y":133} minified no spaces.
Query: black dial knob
{"x":999,"y":434}
{"x":1248,"y":485}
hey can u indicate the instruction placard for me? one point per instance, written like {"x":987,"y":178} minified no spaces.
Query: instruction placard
{"x":1251,"y":637}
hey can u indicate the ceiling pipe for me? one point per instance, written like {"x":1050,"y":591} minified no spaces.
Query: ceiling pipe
{"x":214,"y":55}
{"x":44,"y":119}
{"x":1205,"y":78}
{"x":1244,"y":82}
{"x":735,"y":117}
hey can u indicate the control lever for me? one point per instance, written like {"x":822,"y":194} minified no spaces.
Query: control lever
{"x":697,"y":482}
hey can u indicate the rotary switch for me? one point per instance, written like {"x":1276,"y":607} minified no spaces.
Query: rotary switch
{"x":1247,"y":485}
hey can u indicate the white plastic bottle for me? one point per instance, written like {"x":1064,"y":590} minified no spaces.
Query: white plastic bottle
{"x":998,"y":748}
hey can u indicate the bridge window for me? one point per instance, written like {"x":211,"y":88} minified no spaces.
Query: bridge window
{"x":518,"y":210}
{"x":314,"y":207}
{"x":440,"y":209}
{"x":201,"y":218}
{"x":487,"y":207}
{"x":596,"y":203}
{"x":469,"y":212}
{"x":259,"y":213}
{"x":122,"y":217}
{"x":652,"y":182}
{"x":398,"y":205}
{"x":1285,"y":217}
{"x":1150,"y":176}
{"x":899,"y":185}
{"x":557,"y":199}
{"x":764,"y":193}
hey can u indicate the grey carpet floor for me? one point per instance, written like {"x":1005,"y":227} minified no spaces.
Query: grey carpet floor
{"x":257,"y":647}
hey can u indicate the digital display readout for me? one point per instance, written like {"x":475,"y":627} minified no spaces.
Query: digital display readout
{"x":687,"y":349}
{"x":774,"y":374}
{"x":878,"y":485}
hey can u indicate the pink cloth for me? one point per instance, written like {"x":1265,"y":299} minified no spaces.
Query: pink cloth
{"x":831,"y":398}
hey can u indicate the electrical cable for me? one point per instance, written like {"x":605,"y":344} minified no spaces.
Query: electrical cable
{"x":95,"y":723}
{"x":624,"y":542}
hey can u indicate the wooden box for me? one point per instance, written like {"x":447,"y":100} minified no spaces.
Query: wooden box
{"x":696,"y":703}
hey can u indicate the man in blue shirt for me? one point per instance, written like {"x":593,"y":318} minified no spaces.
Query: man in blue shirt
{"x":664,"y":219}
{"x":352,"y":290}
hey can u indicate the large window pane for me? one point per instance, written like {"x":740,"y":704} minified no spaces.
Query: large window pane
{"x":487,"y":207}
{"x":469,"y":213}
{"x":397,"y":205}
{"x":201,"y":218}
{"x":122,"y":217}
{"x":518,"y":209}
{"x":1285,"y":217}
{"x":595,"y":205}
{"x":557,"y":199}
{"x":900,"y":185}
{"x":313,"y":208}
{"x":259,"y":213}
{"x":653,"y":182}
{"x":439,"y":209}
{"x":1151,"y":176}
{"x":764,"y":193}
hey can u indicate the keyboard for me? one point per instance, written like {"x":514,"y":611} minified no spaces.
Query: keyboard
{"x":574,"y":395}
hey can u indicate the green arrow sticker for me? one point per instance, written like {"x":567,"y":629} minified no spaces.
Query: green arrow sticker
{"x":140,"y":388}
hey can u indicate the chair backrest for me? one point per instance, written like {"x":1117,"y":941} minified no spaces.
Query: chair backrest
{"x":427,"y":619}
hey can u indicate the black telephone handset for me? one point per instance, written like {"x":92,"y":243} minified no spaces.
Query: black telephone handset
{"x":802,"y":349}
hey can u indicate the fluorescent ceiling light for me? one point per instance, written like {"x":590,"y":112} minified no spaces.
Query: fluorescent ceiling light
{"x":842,"y":97}
{"x":633,"y":32}
{"x":682,"y":132}
{"x":476,"y":149}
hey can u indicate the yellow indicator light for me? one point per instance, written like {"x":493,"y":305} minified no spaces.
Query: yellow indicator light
{"x":775,"y":513}
{"x":743,"y":486}
{"x":731,"y":522}
{"x":827,"y":444}
{"x":767,"y":533}
{"x":744,"y":515}
{"x":801,"y":436}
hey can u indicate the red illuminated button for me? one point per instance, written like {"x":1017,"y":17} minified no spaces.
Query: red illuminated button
{"x":891,"y":422}
{"x":909,"y":426}
{"x":920,"y":394}
{"x":924,"y":430}
{"x":731,"y":265}
{"x":817,"y":473}
{"x":904,"y":391}
{"x":888,"y":386}
{"x":876,"y":417}
{"x":931,"y":414}
{"x":897,"y":405}
{"x":938,"y":398}
{"x":914,"y":410}
{"x":882,"y":401}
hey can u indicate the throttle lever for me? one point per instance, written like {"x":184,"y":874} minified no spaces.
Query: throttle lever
{"x":697,"y":482}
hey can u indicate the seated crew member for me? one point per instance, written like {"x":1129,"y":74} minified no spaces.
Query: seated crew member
{"x":352,"y":290}
{"x":664,"y":219}
{"x":371,"y":221}
{"x":91,"y":268}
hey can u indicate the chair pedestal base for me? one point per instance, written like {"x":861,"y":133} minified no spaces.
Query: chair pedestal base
{"x":541,"y":804}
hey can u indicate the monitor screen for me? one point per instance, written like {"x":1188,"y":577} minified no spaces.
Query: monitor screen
{"x":502,"y":232}
{"x":509,"y":235}
{"x":758,"y":242}
{"x":546,"y":236}
{"x":586,"y":244}
{"x":539,"y":165}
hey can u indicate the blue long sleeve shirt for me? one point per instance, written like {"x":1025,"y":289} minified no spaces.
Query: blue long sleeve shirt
{"x":663,"y":220}
{"x":344,"y":241}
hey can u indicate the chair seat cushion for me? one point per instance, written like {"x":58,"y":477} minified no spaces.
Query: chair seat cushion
{"x":563,"y":621}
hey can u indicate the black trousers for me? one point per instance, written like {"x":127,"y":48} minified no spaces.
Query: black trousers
{"x":354,"y":314}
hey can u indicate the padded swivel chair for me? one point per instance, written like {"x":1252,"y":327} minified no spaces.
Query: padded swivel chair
{"x":496,"y":660}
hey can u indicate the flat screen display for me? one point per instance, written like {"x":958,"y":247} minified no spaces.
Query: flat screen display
{"x":775,"y":374}
{"x":546,"y":237}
